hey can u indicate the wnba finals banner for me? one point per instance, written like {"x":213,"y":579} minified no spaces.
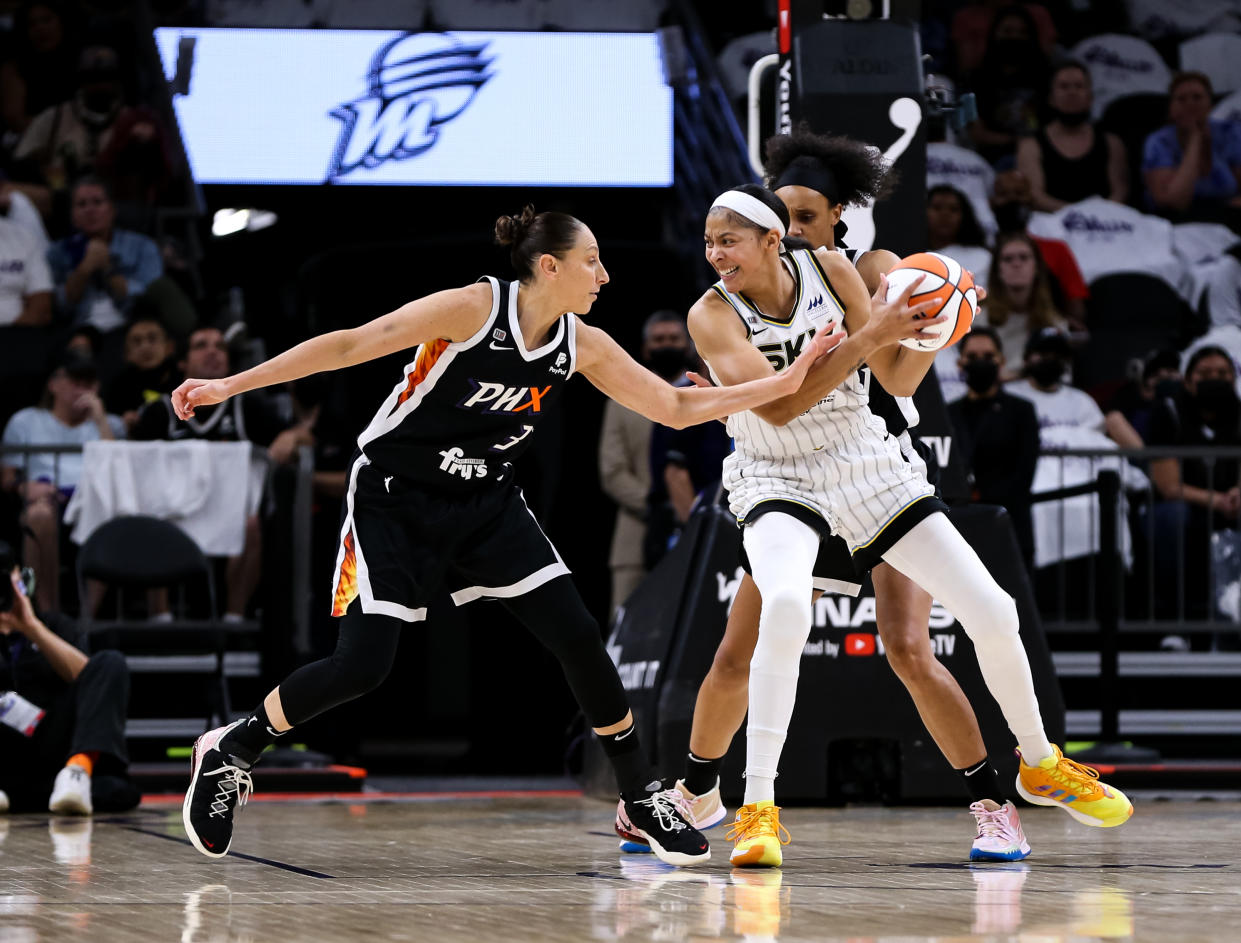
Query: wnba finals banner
{"x":462,"y":108}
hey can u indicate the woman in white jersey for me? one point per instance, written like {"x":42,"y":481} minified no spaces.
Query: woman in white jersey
{"x":821,"y":462}
{"x":816,"y":177}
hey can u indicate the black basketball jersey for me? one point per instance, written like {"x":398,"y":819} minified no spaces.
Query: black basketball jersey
{"x":897,"y":412}
{"x":465,"y":410}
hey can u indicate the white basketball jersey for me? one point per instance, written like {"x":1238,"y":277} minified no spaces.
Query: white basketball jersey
{"x":843,"y":414}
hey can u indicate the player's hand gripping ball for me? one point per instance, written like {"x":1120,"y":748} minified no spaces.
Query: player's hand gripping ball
{"x":944,"y":281}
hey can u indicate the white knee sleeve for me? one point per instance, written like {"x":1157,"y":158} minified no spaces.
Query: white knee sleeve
{"x":782,"y":552}
{"x":936,"y":557}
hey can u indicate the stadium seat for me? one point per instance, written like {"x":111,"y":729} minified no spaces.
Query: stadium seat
{"x":1121,"y":65}
{"x":1128,"y":316}
{"x":1216,"y":55}
{"x":1132,"y":118}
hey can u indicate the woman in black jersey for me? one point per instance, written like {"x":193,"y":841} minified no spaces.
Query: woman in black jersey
{"x":817,"y":177}
{"x":431,"y":502}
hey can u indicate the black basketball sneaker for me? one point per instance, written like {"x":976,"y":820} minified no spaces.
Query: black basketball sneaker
{"x":662,"y":818}
{"x":219,"y":785}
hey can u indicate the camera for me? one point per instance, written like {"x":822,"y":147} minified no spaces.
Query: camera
{"x":7,"y":562}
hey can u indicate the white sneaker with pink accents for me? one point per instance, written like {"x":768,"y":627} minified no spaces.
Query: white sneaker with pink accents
{"x":1000,"y":837}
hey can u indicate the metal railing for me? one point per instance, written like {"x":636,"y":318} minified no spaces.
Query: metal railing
{"x":1161,"y":540}
{"x":299,"y":542}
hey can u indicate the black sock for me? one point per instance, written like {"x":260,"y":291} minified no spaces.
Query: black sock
{"x":250,"y":738}
{"x":701,"y":773}
{"x":634,"y":773}
{"x":982,"y":781}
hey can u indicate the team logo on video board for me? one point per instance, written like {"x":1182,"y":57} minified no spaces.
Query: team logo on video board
{"x":416,"y":83}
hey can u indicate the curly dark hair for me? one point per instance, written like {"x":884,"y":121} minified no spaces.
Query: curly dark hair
{"x":860,"y":170}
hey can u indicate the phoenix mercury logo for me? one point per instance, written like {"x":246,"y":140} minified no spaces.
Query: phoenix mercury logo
{"x":416,"y":83}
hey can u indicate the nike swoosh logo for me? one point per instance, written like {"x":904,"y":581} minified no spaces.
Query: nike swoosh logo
{"x":494,"y":346}
{"x":274,"y":733}
{"x":251,"y":721}
{"x":622,"y":736}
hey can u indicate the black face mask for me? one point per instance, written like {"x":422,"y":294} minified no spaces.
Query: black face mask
{"x":1012,"y":217}
{"x":1046,"y":372}
{"x":668,"y":362}
{"x":1070,"y":119}
{"x":1168,"y":388}
{"x":980,"y":375}
{"x":1218,"y":397}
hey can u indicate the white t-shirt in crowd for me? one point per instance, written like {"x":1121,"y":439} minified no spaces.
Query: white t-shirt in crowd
{"x":1063,"y":406}
{"x":23,"y":269}
{"x":35,"y":426}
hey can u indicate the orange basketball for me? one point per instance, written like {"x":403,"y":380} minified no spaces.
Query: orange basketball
{"x":944,"y":281}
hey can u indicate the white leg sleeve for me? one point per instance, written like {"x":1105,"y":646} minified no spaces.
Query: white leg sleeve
{"x":936,"y":557}
{"x":782,"y":552}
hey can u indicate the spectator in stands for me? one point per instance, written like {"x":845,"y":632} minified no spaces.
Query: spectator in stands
{"x":972,"y":24}
{"x":150,"y":369}
{"x":71,"y":414}
{"x":997,"y":434}
{"x":25,"y":280}
{"x":952,"y":229}
{"x":625,"y":453}
{"x":242,"y":419}
{"x":1192,"y":166}
{"x":1071,"y":158}
{"x":19,"y":209}
{"x":75,"y":761}
{"x":1019,"y":302}
{"x":1008,"y":85}
{"x":1045,"y":372}
{"x":1129,"y":411}
{"x":1012,"y":203}
{"x":100,"y":270}
{"x":1196,"y":496}
{"x":41,"y":70}
{"x":95,"y":132}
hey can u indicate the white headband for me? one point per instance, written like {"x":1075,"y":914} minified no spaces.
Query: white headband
{"x":752,"y":208}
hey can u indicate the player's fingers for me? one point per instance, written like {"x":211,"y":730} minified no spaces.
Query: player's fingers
{"x":881,"y":292}
{"x":904,"y":296}
{"x":698,"y":379}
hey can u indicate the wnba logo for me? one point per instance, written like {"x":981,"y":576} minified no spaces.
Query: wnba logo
{"x":416,"y":83}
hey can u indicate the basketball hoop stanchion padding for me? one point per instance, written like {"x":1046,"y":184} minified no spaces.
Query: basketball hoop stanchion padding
{"x":850,"y":704}
{"x":863,"y":79}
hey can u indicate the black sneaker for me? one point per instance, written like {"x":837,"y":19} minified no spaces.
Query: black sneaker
{"x":219,"y":786}
{"x":663,"y":819}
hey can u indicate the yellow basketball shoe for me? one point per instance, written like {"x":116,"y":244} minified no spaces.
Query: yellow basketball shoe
{"x":1075,"y":788}
{"x":758,"y":835}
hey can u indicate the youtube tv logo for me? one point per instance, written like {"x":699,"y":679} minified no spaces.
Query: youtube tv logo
{"x":859,"y":643}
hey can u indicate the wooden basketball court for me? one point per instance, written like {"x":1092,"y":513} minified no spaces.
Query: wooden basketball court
{"x":544,"y":866}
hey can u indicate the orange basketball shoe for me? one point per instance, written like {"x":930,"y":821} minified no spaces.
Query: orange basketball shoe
{"x":1075,"y":788}
{"x":758,"y":835}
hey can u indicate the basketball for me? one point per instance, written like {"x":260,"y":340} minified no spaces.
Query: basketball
{"x":944,"y":281}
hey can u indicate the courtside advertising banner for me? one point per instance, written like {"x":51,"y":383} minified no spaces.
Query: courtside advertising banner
{"x":462,"y":108}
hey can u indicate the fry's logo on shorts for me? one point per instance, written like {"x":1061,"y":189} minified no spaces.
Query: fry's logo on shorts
{"x":456,"y":464}
{"x":859,"y":643}
{"x":496,"y":397}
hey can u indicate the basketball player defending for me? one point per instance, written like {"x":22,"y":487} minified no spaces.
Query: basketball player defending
{"x":431,"y":502}
{"x":820,"y":462}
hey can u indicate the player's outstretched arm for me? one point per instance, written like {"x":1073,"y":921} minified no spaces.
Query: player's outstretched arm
{"x":605,"y":364}
{"x":455,"y":315}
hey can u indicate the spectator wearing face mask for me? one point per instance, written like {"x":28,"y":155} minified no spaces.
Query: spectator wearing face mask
{"x":625,"y":453}
{"x":996,"y":432}
{"x":684,"y":463}
{"x":1128,"y":413}
{"x":1196,"y":496}
{"x":94,"y":131}
{"x":1007,"y":84}
{"x":1071,"y":158}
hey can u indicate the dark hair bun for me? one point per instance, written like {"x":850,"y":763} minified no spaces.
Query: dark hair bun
{"x":511,"y":229}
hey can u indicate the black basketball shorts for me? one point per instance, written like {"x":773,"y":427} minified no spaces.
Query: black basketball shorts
{"x":400,"y":543}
